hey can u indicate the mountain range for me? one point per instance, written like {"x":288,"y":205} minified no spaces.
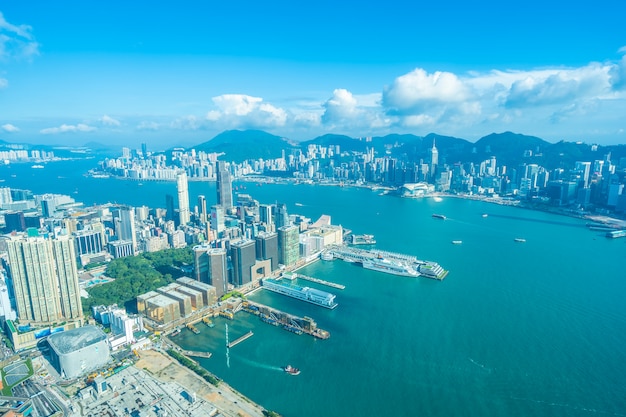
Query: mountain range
{"x":508,"y":148}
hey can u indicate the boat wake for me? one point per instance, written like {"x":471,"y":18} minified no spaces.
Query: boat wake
{"x":569,"y":406}
{"x":480,"y":365}
{"x":260,"y":365}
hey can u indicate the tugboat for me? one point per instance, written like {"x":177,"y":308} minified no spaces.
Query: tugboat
{"x":291,"y":370}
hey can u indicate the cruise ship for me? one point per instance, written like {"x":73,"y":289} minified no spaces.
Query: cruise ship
{"x":390,"y":267}
{"x":310,"y":295}
{"x":432,"y":270}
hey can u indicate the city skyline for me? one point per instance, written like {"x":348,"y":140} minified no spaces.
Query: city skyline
{"x":179,"y":76}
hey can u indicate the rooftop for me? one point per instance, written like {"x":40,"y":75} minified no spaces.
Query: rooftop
{"x":75,"y":339}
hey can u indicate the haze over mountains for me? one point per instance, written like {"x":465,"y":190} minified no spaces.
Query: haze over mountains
{"x":509,"y":148}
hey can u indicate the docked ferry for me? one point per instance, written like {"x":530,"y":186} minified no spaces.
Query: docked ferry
{"x":390,"y":267}
{"x":310,"y":295}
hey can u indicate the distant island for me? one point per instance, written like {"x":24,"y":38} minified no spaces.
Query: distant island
{"x":566,"y":177}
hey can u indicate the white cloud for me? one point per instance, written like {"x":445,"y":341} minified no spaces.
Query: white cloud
{"x":307,"y":119}
{"x":240,"y":110}
{"x":3,"y":82}
{"x":16,"y":41}
{"x":347,"y":111}
{"x":342,"y":106}
{"x":148,"y":125}
{"x":562,"y":86}
{"x":9,"y":128}
{"x":187,"y":123}
{"x":109,"y":121}
{"x":81,"y":127}
{"x":416,"y":91}
{"x":618,"y":72}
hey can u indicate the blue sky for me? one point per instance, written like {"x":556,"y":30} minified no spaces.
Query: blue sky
{"x":132,"y":72}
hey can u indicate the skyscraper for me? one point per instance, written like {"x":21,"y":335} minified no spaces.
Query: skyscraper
{"x":224,"y":186}
{"x":282,"y":217}
{"x":267,"y":248}
{"x":243,"y":258}
{"x":210,"y":267}
{"x":433,"y":154}
{"x":288,"y":245}
{"x":202,"y":208}
{"x":15,"y":221}
{"x":183,"y":197}
{"x":45,"y":278}
{"x":125,"y":226}
{"x":217,"y":219}
{"x":265,"y":214}
{"x":169,"y":206}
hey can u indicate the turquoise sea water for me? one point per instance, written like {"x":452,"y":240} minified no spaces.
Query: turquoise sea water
{"x":516,"y":329}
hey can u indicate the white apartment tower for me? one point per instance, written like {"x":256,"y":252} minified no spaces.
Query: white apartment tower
{"x":183,"y":197}
{"x":45,"y":278}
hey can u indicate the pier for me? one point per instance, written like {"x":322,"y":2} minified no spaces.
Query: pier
{"x":370,"y":258}
{"x":320,"y":281}
{"x":289,"y":322}
{"x":239,"y":340}
{"x":193,"y":328}
{"x":196,"y":353}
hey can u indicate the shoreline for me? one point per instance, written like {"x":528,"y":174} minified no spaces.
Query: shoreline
{"x":605,"y":218}
{"x":228,"y":400}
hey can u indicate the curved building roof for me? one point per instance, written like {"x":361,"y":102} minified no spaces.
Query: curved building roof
{"x":75,"y":339}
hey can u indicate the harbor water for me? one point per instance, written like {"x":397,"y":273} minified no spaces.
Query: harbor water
{"x":516,"y":329}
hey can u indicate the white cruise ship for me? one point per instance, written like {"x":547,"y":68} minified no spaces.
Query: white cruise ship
{"x":390,"y":267}
{"x":310,"y":295}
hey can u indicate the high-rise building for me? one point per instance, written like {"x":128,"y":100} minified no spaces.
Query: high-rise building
{"x":88,"y":242}
{"x":183,"y":197}
{"x":218,"y":270}
{"x":224,"y":186}
{"x":125,"y":226}
{"x":169,"y":207}
{"x":210,"y":267}
{"x":217,"y":219}
{"x":433,"y":156}
{"x":5,"y":196}
{"x":45,"y":278}
{"x":243,"y":258}
{"x":288,"y":245}
{"x":267,"y":248}
{"x":15,"y":221}
{"x":202,"y":208}
{"x":281,"y":216}
{"x":265,"y":214}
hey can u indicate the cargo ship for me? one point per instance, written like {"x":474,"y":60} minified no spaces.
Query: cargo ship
{"x":390,"y":267}
{"x":291,"y":370}
{"x":310,"y":295}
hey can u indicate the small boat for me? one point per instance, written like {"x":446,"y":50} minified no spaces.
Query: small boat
{"x":291,"y":370}
{"x":457,"y":242}
{"x":519,"y":239}
{"x":439,"y":216}
{"x":485,"y":215}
